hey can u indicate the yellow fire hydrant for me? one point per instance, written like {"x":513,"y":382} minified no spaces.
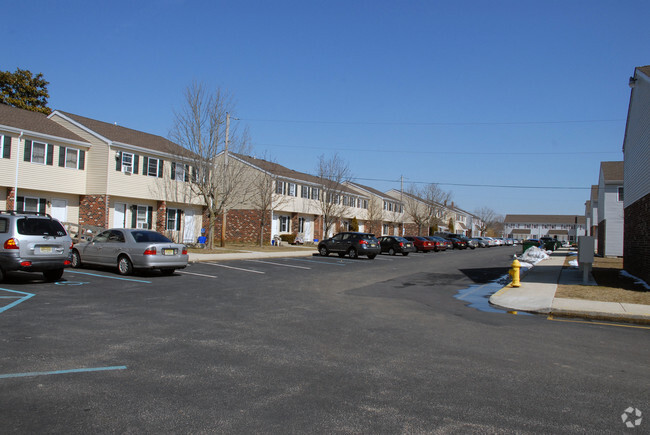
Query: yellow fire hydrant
{"x":514,"y":273}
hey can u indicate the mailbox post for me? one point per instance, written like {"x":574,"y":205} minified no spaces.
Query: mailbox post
{"x":585,"y":256}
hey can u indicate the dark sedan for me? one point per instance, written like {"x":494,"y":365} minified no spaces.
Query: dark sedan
{"x":395,"y":244}
{"x":351,"y":243}
{"x":421,"y":244}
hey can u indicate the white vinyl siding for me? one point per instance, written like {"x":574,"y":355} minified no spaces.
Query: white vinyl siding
{"x":637,"y":138}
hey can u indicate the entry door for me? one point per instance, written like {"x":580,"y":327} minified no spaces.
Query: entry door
{"x":119,"y":215}
{"x":309,"y":229}
{"x":189,"y":228}
{"x":60,"y":209}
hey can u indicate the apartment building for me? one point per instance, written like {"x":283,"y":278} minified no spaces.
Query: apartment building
{"x":566,"y":228}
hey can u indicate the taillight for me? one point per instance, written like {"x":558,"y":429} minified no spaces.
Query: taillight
{"x":363,"y":242}
{"x":67,"y":263}
{"x":150,"y":251}
{"x":184,"y":251}
{"x":71,"y":245}
{"x":401,"y":244}
{"x":25,"y":263}
{"x":11,"y":244}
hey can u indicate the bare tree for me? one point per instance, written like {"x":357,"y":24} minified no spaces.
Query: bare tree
{"x":332,"y":173}
{"x":486,"y":218}
{"x":375,"y":215}
{"x":425,"y":205}
{"x":200,"y":128}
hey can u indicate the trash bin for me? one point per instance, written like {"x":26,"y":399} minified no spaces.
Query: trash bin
{"x":529,"y":243}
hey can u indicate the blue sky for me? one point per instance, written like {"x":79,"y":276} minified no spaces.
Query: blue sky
{"x":465,"y":94}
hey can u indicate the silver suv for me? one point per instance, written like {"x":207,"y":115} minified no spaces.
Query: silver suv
{"x":33,"y":242}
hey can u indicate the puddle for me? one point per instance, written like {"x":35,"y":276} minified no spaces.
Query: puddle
{"x":477,"y":296}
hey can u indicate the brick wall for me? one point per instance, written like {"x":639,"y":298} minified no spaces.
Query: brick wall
{"x":92,"y":210}
{"x":10,"y":198}
{"x":161,"y":216}
{"x":243,"y":226}
{"x":636,"y":245}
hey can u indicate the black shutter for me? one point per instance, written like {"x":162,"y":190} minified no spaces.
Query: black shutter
{"x":187,"y":173}
{"x":62,"y":157}
{"x":50,"y":154}
{"x":28,"y":151}
{"x":82,"y":159}
{"x":149,"y":216}
{"x":145,"y":165}
{"x":179,"y":213}
{"x":42,"y":205}
{"x":134,"y":216}
{"x":6,"y":150}
{"x":160,"y":168}
{"x":118,"y":161}
{"x":173,"y":171}
{"x":194,"y":178}
{"x":20,"y":203}
{"x":136,"y":163}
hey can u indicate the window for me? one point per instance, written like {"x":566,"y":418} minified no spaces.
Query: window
{"x":365,"y":204}
{"x":304,"y":192}
{"x":180,"y":172}
{"x":346,"y":225}
{"x":173,"y":219}
{"x":620,"y":194}
{"x":301,"y":223}
{"x":386,"y":229}
{"x":71,"y":158}
{"x":38,"y":152}
{"x":292,"y":190}
{"x":126,"y":160}
{"x":284,"y":224}
{"x":5,"y":147}
{"x":315,"y":193}
{"x":279,"y":187}
{"x":142,"y":216}
{"x":26,"y":203}
{"x":152,"y":167}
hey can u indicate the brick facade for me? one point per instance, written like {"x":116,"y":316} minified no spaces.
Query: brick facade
{"x":92,"y":210}
{"x":636,"y":247}
{"x":10,"y":198}
{"x":161,"y":216}
{"x":242,"y":226}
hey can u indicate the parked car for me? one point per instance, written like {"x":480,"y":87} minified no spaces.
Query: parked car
{"x":439,"y":243}
{"x":129,"y":249}
{"x":488,"y":241}
{"x":33,"y":242}
{"x":458,"y":243}
{"x":421,"y":244}
{"x":481,"y":243}
{"x":351,"y":243}
{"x":395,"y":244}
{"x":471,"y":243}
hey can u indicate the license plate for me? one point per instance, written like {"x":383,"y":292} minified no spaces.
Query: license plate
{"x":372,"y":245}
{"x":45,"y":249}
{"x":408,"y":245}
{"x":168,"y":252}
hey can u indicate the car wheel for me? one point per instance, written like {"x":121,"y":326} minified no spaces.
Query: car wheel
{"x":391,"y":251}
{"x":76,"y":259}
{"x":405,"y":253}
{"x":323,"y":251}
{"x":372,"y":256}
{"x":124,"y":265}
{"x":167,"y":272}
{"x":53,"y":275}
{"x":352,"y":253}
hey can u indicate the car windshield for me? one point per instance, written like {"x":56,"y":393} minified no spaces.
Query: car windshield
{"x":40,"y":227}
{"x":366,"y":236}
{"x":149,"y":237}
{"x":401,"y":239}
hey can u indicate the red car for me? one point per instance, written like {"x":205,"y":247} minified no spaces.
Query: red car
{"x":421,"y":244}
{"x":439,"y":242}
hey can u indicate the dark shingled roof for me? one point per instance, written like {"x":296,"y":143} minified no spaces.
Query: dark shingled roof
{"x":543,"y":219}
{"x":612,"y":171}
{"x":644,"y":69}
{"x":34,"y":121}
{"x":126,"y":135}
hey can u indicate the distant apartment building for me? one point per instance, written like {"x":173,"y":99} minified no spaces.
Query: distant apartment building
{"x":566,"y":228}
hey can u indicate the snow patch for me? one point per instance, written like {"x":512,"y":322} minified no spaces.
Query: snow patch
{"x":534,"y":255}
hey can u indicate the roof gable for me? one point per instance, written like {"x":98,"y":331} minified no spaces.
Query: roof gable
{"x":36,"y":122}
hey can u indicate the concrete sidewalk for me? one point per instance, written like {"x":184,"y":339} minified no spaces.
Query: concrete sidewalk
{"x":537,"y":295}
{"x":307,"y":251}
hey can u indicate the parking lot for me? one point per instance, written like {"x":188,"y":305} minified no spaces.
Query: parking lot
{"x":308,"y":344}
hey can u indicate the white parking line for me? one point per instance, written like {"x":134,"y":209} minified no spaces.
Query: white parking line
{"x":236,"y":268}
{"x":323,"y":261}
{"x":197,"y":274}
{"x":280,"y":264}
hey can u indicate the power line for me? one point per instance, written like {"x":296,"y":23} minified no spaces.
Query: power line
{"x":480,"y":185}
{"x":402,"y":151}
{"x":289,"y":121}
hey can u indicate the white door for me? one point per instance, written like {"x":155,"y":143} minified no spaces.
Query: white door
{"x":189,"y":227}
{"x":275,"y":226}
{"x":60,"y":209}
{"x":119,"y":215}
{"x":309,"y":229}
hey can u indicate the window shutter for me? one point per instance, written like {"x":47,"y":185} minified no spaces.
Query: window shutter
{"x":194,"y":177}
{"x":136,"y":163}
{"x":134,"y":216}
{"x":50,"y":154}
{"x":6,"y":149}
{"x":62,"y":156}
{"x":20,"y":203}
{"x":42,"y":205}
{"x":179,"y":213}
{"x":160,"y":168}
{"x":118,"y":162}
{"x":173,"y":171}
{"x":28,"y":151}
{"x":187,"y":173}
{"x":149,"y":216}
{"x":145,"y":165}
{"x":82,"y":159}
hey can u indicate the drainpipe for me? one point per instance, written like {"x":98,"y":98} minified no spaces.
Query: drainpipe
{"x":16,"y":180}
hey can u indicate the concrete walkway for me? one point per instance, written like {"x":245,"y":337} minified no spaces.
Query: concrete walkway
{"x":306,"y":251}
{"x":537,"y":295}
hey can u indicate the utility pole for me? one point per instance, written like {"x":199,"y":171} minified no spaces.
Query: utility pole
{"x":225,"y":169}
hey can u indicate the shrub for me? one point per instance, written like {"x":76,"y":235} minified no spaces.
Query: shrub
{"x":288,"y":238}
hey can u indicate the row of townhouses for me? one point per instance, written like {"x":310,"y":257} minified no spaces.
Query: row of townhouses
{"x":565,"y":228}
{"x":88,"y":172}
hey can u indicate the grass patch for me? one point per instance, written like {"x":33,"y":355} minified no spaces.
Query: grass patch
{"x":612,"y":287}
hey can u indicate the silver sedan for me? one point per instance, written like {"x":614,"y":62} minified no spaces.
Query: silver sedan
{"x":130,"y":249}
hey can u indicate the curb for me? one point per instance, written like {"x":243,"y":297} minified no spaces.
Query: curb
{"x":593,"y":315}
